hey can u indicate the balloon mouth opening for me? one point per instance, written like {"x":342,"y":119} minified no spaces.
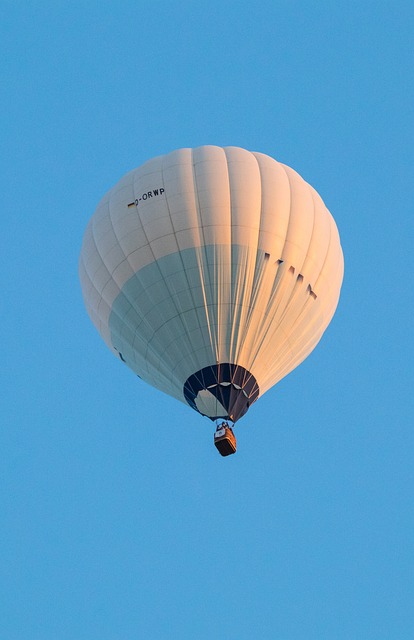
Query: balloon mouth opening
{"x":222,"y":390}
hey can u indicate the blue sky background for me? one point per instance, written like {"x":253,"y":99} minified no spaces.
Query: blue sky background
{"x":119,"y":520}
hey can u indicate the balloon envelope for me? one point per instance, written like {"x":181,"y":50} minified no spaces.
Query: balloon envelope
{"x":212,"y":273}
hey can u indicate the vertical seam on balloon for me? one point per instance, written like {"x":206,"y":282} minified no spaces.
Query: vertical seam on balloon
{"x":190,"y":354}
{"x":234,"y":279}
{"x":199,"y":251}
{"x":290,"y":209}
{"x":221,"y":276}
{"x":339,"y":274}
{"x":339,"y":269}
{"x":320,"y":204}
{"x":330,"y":245}
{"x":313,"y":228}
{"x":257,"y":281}
{"x":240,"y":275}
{"x":234,"y":288}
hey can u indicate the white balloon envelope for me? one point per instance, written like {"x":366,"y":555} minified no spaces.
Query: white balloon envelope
{"x":212,"y":273}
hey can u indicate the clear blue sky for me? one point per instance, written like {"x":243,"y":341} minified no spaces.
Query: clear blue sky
{"x":119,"y":520}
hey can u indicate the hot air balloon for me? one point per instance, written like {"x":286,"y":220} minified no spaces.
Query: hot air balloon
{"x":212,"y":273}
